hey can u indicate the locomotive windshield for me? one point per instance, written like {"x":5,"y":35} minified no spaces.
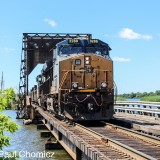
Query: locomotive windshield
{"x":96,"y":50}
{"x":70,"y":50}
{"x":76,"y":46}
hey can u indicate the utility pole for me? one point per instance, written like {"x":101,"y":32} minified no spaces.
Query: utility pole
{"x":2,"y":83}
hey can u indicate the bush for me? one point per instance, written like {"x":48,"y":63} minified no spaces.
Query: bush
{"x":6,"y":98}
{"x":151,"y":98}
{"x":6,"y":123}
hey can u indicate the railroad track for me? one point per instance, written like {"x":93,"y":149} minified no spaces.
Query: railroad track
{"x":129,"y":143}
{"x":105,"y":142}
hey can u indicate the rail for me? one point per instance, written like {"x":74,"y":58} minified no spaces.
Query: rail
{"x":126,"y":141}
{"x":101,"y":142}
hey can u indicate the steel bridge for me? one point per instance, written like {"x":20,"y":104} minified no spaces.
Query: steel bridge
{"x":93,"y":143}
{"x":36,"y":49}
{"x":105,"y":142}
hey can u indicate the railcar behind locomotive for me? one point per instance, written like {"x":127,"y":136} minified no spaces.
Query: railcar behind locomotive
{"x":78,"y":82}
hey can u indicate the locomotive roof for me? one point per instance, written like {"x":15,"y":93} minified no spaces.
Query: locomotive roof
{"x":83,"y":42}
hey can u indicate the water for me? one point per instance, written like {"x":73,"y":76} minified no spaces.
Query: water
{"x":28,"y":143}
{"x":133,"y":99}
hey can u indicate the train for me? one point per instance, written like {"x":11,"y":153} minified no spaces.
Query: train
{"x":77,"y":82}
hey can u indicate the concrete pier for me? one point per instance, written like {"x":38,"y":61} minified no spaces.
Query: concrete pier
{"x":53,"y":145}
{"x":45,"y":134}
{"x":41,"y":127}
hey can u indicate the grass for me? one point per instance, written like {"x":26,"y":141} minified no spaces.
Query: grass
{"x":146,"y":98}
{"x":151,"y":98}
{"x":121,"y":99}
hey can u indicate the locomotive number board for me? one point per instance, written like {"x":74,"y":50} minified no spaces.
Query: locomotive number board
{"x":93,"y":41}
{"x":73,"y":41}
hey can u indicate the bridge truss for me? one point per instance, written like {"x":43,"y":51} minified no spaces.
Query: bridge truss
{"x":36,"y":49}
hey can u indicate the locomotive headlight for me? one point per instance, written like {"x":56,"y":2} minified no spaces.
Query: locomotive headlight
{"x":87,"y":60}
{"x":104,"y":85}
{"x":74,"y":85}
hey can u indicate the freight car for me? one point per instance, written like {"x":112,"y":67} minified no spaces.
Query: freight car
{"x":77,"y":82}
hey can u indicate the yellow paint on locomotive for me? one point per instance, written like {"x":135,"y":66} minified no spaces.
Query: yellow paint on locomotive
{"x":88,"y":76}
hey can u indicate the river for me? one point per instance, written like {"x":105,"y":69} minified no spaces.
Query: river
{"x":29,"y":145}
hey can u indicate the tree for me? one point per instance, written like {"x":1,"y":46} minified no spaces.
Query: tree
{"x":157,"y":92}
{"x":6,"y":98}
{"x":144,"y":94}
{"x":151,"y":94}
{"x":6,"y":123}
{"x":138,"y":95}
{"x":132,"y":95}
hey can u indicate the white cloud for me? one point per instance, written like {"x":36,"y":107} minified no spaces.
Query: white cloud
{"x":51,"y":22}
{"x":130,"y":34}
{"x":119,"y":59}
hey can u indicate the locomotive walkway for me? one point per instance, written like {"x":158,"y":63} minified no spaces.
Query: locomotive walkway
{"x":100,"y":143}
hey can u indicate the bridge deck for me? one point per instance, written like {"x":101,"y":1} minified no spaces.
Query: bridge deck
{"x":82,"y":143}
{"x":142,"y":123}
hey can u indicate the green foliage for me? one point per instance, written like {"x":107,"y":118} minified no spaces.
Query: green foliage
{"x":151,"y":96}
{"x":6,"y":98}
{"x":158,"y":92}
{"x":121,"y":98}
{"x":6,"y":123}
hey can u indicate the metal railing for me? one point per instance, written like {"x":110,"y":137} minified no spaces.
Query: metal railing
{"x":138,"y":107}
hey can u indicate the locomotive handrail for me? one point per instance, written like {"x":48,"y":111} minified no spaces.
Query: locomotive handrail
{"x":82,"y":70}
{"x":73,"y":70}
{"x":102,"y":70}
{"x":63,"y":79}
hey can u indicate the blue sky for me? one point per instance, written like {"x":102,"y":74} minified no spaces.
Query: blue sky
{"x":131,"y":28}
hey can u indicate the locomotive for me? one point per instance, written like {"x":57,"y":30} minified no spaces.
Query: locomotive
{"x":77,"y":83}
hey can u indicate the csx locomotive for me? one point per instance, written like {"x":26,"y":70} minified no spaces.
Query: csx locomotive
{"x":78,"y":82}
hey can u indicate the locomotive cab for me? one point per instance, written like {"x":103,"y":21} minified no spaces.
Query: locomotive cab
{"x":84,"y":81}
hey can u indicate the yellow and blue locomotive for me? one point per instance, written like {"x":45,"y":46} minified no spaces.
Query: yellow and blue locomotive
{"x":78,"y":82}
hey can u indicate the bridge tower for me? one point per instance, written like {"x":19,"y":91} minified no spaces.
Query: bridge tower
{"x":36,"y":49}
{"x":2,"y":83}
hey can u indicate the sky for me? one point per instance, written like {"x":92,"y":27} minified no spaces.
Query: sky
{"x":131,"y":28}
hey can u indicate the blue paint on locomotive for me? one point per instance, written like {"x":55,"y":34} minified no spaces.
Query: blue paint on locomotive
{"x":79,"y":46}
